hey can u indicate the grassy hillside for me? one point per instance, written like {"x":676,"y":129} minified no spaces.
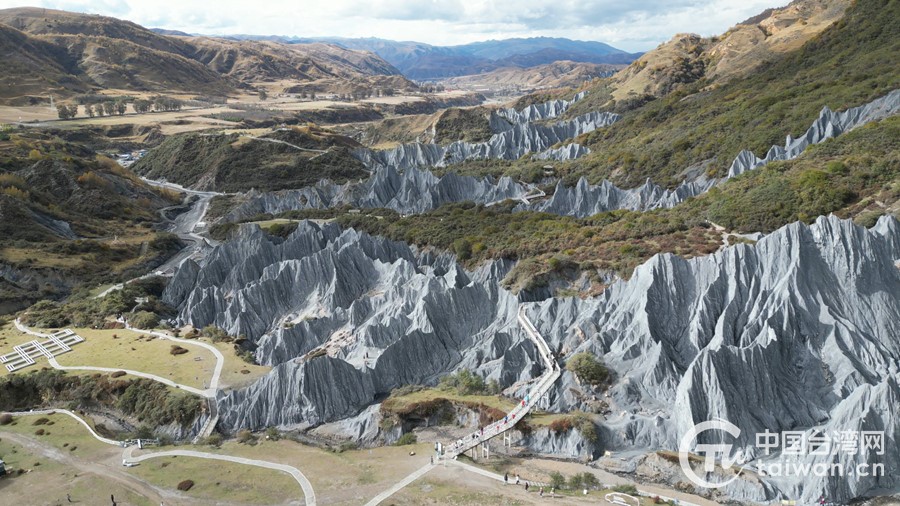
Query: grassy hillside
{"x":232,"y":163}
{"x":855,"y":175}
{"x":52,"y":51}
{"x":850,"y":63}
{"x":69,"y":217}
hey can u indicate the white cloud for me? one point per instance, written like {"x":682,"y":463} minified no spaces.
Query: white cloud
{"x":630,"y":25}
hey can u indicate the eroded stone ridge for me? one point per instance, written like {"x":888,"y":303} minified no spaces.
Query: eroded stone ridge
{"x":799,"y":331}
{"x":398,"y":184}
{"x":585,"y":199}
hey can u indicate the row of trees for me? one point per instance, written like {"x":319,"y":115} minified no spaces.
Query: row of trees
{"x":431,"y":88}
{"x":110,"y":107}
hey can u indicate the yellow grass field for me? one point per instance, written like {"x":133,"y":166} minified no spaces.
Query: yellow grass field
{"x":124,"y":349}
{"x":47,"y":481}
{"x":221,"y":481}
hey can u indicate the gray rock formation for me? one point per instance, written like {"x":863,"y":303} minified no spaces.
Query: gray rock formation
{"x":504,"y":119}
{"x":800,"y":331}
{"x":511,"y":144}
{"x":829,"y":124}
{"x":397,"y":183}
{"x":584,"y":199}
{"x":413,"y":191}
{"x":561,"y":154}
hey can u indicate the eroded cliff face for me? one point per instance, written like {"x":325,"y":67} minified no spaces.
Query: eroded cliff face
{"x":585,"y":199}
{"x":398,"y":184}
{"x":799,"y":331}
{"x":511,"y":144}
{"x":346,"y":317}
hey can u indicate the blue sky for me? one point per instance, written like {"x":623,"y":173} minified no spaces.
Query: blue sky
{"x":629,"y":25}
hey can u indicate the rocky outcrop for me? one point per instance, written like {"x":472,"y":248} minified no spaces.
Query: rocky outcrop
{"x":829,"y":124}
{"x":398,"y":184}
{"x":413,"y":191}
{"x":511,"y":144}
{"x":799,"y":332}
{"x":796,"y":332}
{"x":326,"y":308}
{"x":584,"y":199}
{"x":504,"y":119}
{"x":564,"y":153}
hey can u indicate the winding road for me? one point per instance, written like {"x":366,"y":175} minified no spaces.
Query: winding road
{"x":185,"y":226}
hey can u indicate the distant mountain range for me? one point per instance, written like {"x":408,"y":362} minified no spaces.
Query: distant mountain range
{"x":417,"y":60}
{"x":47,"y":51}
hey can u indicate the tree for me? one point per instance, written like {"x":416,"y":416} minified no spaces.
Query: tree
{"x":98,"y":108}
{"x":557,"y":480}
{"x":576,"y":481}
{"x":64,"y":112}
{"x":262,"y":94}
{"x":121,"y":107}
{"x":89,"y":110}
{"x":141,"y":105}
{"x":590,"y":480}
{"x":588,"y":368}
{"x":465,"y":382}
{"x":109,"y":108}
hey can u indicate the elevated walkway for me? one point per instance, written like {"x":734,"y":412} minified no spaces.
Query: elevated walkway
{"x":543,"y":385}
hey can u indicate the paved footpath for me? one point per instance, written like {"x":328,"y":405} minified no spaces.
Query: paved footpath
{"x":308,"y":493}
{"x":418,"y":473}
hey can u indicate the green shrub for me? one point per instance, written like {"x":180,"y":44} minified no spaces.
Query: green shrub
{"x":625,"y":489}
{"x":557,"y":480}
{"x":244,"y":436}
{"x":576,"y":481}
{"x":407,"y":439}
{"x":464,"y":382}
{"x":215,"y":333}
{"x":214,"y":439}
{"x":588,"y":368}
{"x":590,"y":480}
{"x":144,"y":320}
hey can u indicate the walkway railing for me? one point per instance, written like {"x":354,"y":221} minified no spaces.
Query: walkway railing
{"x":543,"y":385}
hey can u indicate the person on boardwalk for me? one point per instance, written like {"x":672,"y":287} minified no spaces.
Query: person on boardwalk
{"x":517,"y":479}
{"x":542,"y":491}
{"x":506,"y":478}
{"x":526,"y":486}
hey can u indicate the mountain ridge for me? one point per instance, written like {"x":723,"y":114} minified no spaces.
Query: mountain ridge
{"x":101,"y":52}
